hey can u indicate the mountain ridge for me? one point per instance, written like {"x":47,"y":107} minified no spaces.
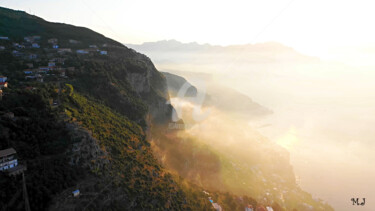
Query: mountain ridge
{"x":271,"y":52}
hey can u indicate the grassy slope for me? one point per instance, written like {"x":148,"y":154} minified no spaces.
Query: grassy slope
{"x":133,"y":165}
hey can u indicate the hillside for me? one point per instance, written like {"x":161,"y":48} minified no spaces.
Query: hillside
{"x":224,"y":98}
{"x":175,"y":83}
{"x":77,"y":109}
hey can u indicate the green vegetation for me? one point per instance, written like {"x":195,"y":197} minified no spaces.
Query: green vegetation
{"x":111,"y":87}
{"x":18,"y":24}
{"x":40,"y":139}
{"x":133,"y":166}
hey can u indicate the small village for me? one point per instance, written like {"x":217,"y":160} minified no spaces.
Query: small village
{"x":42,"y":59}
{"x":46,"y":58}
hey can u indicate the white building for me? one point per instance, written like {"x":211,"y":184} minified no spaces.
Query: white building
{"x":35,"y":45}
{"x":8,"y":159}
{"x":76,"y":193}
{"x":52,"y":41}
{"x":82,"y":52}
{"x":74,"y":41}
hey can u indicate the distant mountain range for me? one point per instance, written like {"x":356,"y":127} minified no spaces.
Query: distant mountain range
{"x":257,"y":53}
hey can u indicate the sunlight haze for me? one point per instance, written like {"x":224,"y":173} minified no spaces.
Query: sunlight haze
{"x":327,"y":29}
{"x":267,"y":98}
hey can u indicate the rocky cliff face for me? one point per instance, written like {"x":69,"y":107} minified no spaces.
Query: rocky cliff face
{"x":86,"y":151}
{"x":175,"y":83}
{"x":151,"y":86}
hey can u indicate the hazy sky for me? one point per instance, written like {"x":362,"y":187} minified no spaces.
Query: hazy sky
{"x":333,"y":29}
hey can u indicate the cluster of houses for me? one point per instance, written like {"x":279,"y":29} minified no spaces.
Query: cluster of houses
{"x":215,"y":205}
{"x":91,"y":49}
{"x":30,"y":42}
{"x":53,"y":66}
{"x":34,"y":42}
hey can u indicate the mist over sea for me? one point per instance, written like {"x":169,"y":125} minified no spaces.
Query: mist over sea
{"x":323,"y":112}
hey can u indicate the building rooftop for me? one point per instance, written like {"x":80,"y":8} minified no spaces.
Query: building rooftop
{"x":7,"y":152}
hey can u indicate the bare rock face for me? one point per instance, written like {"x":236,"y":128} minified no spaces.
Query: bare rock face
{"x":139,"y":82}
{"x":86,"y":150}
{"x":151,"y":85}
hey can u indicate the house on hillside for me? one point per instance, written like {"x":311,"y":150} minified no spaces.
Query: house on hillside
{"x":59,"y":60}
{"x":74,"y":41}
{"x":82,"y":51}
{"x":3,"y":79}
{"x":35,"y":45}
{"x":39,"y":78}
{"x":52,"y":41}
{"x":93,"y":46}
{"x":64,"y":50}
{"x":249,"y":207}
{"x":17,"y":53}
{"x":2,"y":48}
{"x":8,"y":159}
{"x":103,"y":52}
{"x":43,"y":68}
{"x":31,"y":38}
{"x":4,"y":38}
{"x":28,"y":72}
{"x":17,"y":45}
{"x":28,"y":39}
{"x":76,"y":193}
{"x":9,"y":162}
{"x":33,"y":56}
{"x":62,"y":72}
{"x":55,"y":46}
{"x":51,"y":64}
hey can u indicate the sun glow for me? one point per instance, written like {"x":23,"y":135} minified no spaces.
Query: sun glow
{"x":289,"y":139}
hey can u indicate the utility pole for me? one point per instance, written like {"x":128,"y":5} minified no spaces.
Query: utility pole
{"x":25,"y":196}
